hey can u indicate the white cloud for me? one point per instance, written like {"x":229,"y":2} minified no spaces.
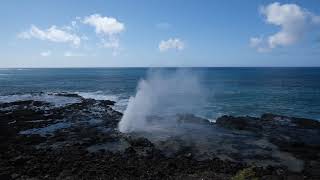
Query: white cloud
{"x":73,"y":23}
{"x":104,"y":25}
{"x":294,"y":23}
{"x":108,"y":27}
{"x":111,"y":42}
{"x":108,"y":30}
{"x":172,"y":43}
{"x":71,"y":27}
{"x":259,"y":44}
{"x":52,"y":34}
{"x":73,"y":54}
{"x":45,"y":53}
{"x":255,"y":41}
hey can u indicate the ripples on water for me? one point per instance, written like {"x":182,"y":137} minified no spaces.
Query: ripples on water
{"x":235,"y":91}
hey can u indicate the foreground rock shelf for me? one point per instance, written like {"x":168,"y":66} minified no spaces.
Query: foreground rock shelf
{"x":81,"y":141}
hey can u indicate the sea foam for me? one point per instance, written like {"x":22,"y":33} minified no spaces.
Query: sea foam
{"x":46,"y":97}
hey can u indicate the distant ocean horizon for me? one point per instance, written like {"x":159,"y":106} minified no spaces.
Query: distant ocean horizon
{"x":291,"y":91}
{"x":148,"y":67}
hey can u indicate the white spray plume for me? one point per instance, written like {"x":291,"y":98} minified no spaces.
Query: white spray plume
{"x":162,"y":93}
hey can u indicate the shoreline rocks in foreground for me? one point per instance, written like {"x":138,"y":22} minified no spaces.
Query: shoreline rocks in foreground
{"x":80,"y":141}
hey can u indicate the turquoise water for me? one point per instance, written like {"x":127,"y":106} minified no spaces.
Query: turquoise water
{"x":232,"y":91}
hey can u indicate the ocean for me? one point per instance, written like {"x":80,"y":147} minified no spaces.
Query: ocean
{"x":228,"y":91}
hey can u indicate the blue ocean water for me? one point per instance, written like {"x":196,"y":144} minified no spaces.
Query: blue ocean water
{"x":231,"y":91}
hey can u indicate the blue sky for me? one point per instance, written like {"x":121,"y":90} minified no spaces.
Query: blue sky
{"x":101,"y":33}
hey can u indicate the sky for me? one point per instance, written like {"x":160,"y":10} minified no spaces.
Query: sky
{"x":154,"y":33}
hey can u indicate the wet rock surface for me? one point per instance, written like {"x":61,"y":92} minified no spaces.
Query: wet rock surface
{"x":299,"y":137}
{"x":39,"y":140}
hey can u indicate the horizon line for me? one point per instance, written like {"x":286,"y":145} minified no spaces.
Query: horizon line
{"x":93,"y":67}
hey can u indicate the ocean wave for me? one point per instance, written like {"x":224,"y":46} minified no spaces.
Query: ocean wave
{"x":121,"y":101}
{"x":57,"y":100}
{"x":98,"y":95}
{"x":46,"y":97}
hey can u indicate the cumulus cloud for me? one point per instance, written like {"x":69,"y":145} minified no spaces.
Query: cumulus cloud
{"x":72,"y":26}
{"x":108,"y":30}
{"x":108,"y":27}
{"x":172,"y":43}
{"x":294,"y":23}
{"x":53,"y":34}
{"x":45,"y":53}
{"x":104,"y":25}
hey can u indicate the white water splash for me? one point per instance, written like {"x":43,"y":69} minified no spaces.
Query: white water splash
{"x":162,"y":93}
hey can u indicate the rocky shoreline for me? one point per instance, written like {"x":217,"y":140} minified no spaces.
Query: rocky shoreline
{"x":81,"y":141}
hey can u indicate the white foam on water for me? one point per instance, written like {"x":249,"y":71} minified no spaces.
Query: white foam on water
{"x":60,"y":101}
{"x":98,"y":95}
{"x":57,"y":101}
{"x":120,"y":105}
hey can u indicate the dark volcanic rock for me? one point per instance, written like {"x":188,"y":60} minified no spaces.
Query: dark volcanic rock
{"x":69,"y":95}
{"x":107,"y":103}
{"x":25,"y":103}
{"x":190,"y":118}
{"x":286,"y":130}
{"x":300,"y":122}
{"x":239,"y":123}
{"x":298,"y":136}
{"x":139,"y":142}
{"x":81,"y":141}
